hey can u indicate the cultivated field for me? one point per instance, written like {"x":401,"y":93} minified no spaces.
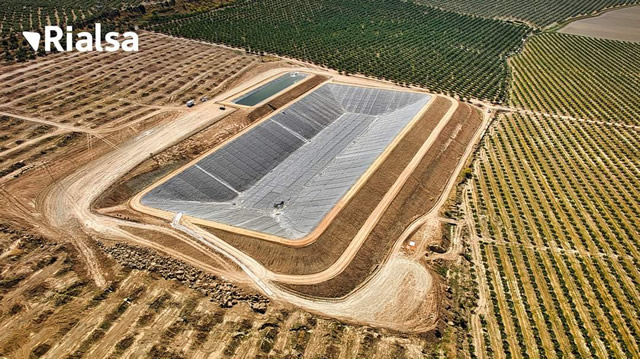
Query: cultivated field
{"x":449,"y":179}
{"x":619,"y":24}
{"x":50,"y":309}
{"x":584,"y":78}
{"x":19,"y":15}
{"x":395,"y":40}
{"x":164,"y":73}
{"x":554,"y":230}
{"x":538,"y":13}
{"x":16,"y":132}
{"x":45,"y":107}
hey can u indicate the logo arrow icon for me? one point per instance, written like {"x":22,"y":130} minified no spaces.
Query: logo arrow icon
{"x":33,"y":38}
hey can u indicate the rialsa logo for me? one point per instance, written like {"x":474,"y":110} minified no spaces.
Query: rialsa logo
{"x":84,"y":41}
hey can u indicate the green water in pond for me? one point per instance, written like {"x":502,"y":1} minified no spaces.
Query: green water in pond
{"x":267,"y":90}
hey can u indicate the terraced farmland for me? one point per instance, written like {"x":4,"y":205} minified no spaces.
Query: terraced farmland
{"x":580,"y":77}
{"x":556,"y":239}
{"x":539,"y":13}
{"x":394,"y":40}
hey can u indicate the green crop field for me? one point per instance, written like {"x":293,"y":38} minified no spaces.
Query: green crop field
{"x":556,"y":230}
{"x":539,"y":13}
{"x":578,"y":76}
{"x":400,"y":41}
{"x":19,"y":15}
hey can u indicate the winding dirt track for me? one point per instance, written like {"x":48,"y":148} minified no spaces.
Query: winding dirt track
{"x":391,"y":297}
{"x":70,"y":199}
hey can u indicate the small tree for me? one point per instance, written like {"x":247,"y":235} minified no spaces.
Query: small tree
{"x":21,"y":54}
{"x":8,"y":57}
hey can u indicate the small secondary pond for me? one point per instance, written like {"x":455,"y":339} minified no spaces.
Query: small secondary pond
{"x":269,"y":89}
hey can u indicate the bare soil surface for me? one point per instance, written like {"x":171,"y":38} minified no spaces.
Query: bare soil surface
{"x":15,"y":132}
{"x":49,"y":309}
{"x":41,"y":151}
{"x":78,"y":89}
{"x":621,"y":24}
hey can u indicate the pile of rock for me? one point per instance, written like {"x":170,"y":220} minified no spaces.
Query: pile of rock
{"x":218,"y":289}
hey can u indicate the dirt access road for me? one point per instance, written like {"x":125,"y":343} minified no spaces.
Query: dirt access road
{"x":70,"y":199}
